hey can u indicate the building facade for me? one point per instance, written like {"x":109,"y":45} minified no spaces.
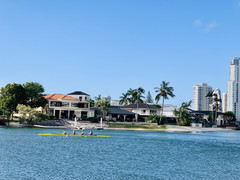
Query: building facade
{"x":80,"y":95}
{"x":200,"y":101}
{"x":224,"y":102}
{"x":67,"y":107}
{"x":233,"y":95}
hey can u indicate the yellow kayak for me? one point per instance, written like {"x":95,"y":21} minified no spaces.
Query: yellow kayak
{"x":77,"y":135}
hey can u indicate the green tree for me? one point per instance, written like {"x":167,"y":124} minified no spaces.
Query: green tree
{"x":165,"y":92}
{"x":30,"y":115}
{"x":230,"y":116}
{"x":182,"y":116}
{"x":91,"y":101}
{"x":103,"y":106}
{"x":140,"y":91}
{"x":97,"y":98}
{"x":215,"y":105}
{"x":34,"y":92}
{"x":132,"y":96}
{"x":149,"y":98}
{"x":124,"y":99}
{"x":11,"y":96}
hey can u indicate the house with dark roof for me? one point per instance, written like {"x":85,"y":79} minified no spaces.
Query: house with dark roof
{"x":80,"y":95}
{"x":142,"y":109}
{"x":67,"y":107}
{"x":116,"y":114}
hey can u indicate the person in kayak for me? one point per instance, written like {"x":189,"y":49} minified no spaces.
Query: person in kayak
{"x":64,"y":132}
{"x":91,"y":133}
{"x":82,"y":132}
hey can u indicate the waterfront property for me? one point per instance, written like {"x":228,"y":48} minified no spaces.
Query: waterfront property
{"x":117,"y":114}
{"x":67,"y":107}
{"x":80,"y":95}
{"x":142,"y":109}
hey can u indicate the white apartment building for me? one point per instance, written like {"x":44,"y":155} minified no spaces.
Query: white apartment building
{"x":200,"y":101}
{"x":233,"y":95}
{"x":224,"y":102}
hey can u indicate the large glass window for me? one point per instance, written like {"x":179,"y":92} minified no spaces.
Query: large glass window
{"x":74,"y":104}
{"x":55,"y":103}
{"x":59,"y":104}
{"x":65,"y":104}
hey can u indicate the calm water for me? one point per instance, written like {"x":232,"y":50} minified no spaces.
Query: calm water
{"x":125,"y":155}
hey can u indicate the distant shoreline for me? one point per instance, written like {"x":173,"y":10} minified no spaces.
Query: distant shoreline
{"x":169,"y":128}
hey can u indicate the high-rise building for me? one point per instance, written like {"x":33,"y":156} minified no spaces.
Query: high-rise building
{"x":200,"y":101}
{"x":233,"y":95}
{"x":224,"y":102}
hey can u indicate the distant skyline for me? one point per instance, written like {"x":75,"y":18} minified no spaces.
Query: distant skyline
{"x":106,"y":47}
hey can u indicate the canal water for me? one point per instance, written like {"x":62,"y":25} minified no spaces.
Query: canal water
{"x":124,"y":155}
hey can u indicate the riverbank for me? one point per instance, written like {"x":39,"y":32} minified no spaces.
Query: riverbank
{"x":127,"y":127}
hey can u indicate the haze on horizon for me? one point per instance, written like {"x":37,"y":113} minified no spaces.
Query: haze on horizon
{"x":107,"y":47}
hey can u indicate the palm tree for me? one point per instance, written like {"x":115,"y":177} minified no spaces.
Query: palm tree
{"x":164,"y":91}
{"x":215,"y":103}
{"x":132,"y":93}
{"x":140,"y":91}
{"x":124,"y":98}
{"x":182,"y":116}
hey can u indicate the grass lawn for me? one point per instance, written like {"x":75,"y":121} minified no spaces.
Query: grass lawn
{"x":133,"y":126}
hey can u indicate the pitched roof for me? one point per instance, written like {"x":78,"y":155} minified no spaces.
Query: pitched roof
{"x":120,"y":111}
{"x":59,"y":96}
{"x":78,"y":93}
{"x":139,"y":105}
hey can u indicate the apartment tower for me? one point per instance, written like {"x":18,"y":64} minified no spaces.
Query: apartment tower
{"x":233,"y":95}
{"x":224,"y":102}
{"x":200,"y":101}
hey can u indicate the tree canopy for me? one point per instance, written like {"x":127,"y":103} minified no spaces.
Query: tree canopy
{"x":149,"y":98}
{"x":30,"y":93}
{"x":229,"y":115}
{"x":132,"y":96}
{"x":164,"y":91}
{"x":11,"y":96}
{"x":103,"y":105}
{"x":34,"y":92}
{"x":182,"y":116}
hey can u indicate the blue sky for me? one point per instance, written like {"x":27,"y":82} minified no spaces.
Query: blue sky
{"x":106,"y":47}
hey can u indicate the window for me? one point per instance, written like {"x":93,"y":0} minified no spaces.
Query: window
{"x":59,"y":104}
{"x":74,"y":104}
{"x":143,"y":111}
{"x":80,"y":98}
{"x":65,"y":104}
{"x":153,"y":112}
{"x":55,"y":103}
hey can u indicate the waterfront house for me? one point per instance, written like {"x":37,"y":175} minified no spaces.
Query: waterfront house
{"x":116,"y":114}
{"x":80,"y":95}
{"x":142,"y":109}
{"x":67,"y":107}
